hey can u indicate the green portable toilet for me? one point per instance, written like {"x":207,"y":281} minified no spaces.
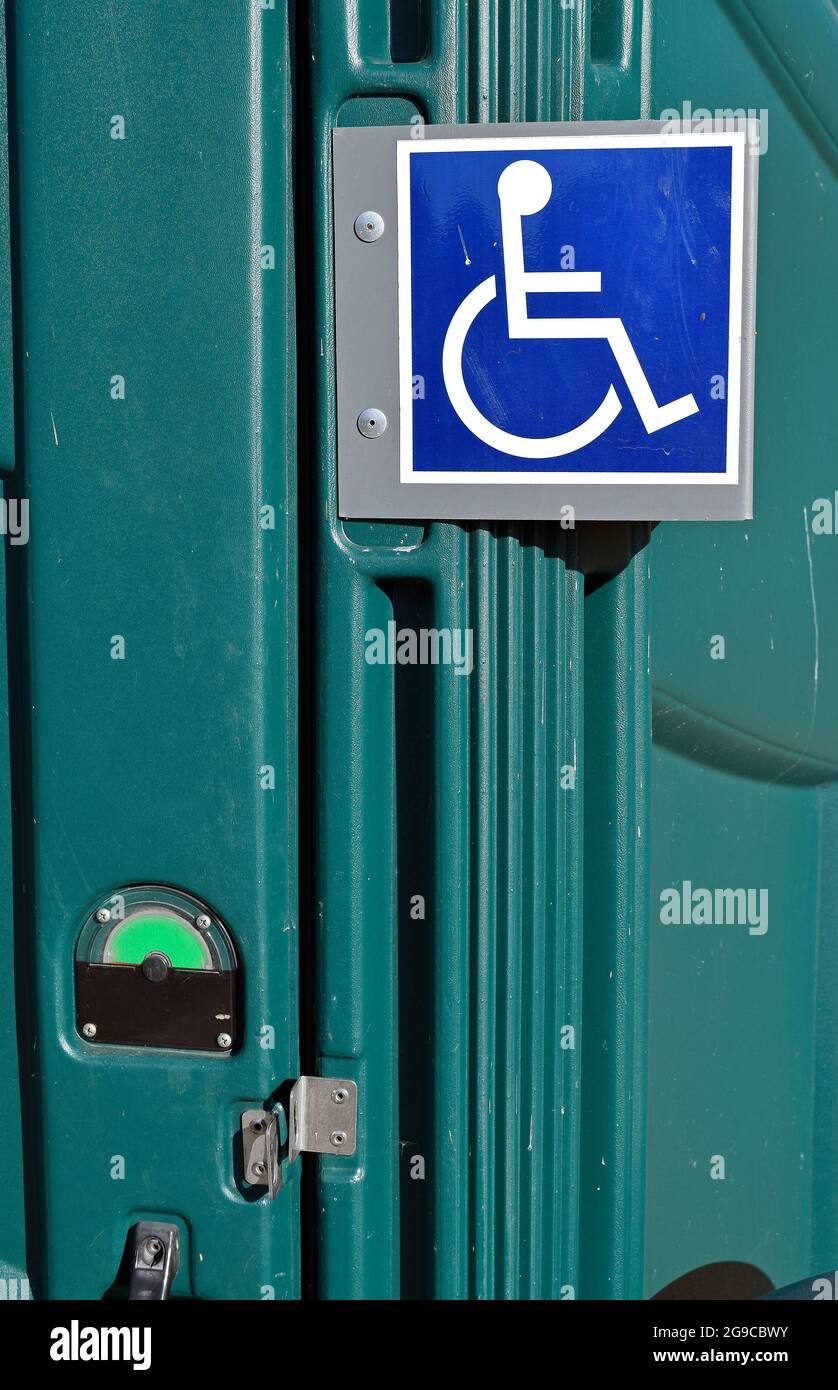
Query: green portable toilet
{"x":339,"y":980}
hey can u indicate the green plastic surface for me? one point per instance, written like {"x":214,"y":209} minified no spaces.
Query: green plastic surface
{"x":139,"y":258}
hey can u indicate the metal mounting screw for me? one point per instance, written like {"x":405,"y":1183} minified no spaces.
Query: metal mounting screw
{"x":257,"y":1126}
{"x":372,"y":423}
{"x":151,"y":1250}
{"x":89,"y":1030}
{"x":337,"y":1137}
{"x":103,"y":914}
{"x":203,"y":922}
{"x":224,"y":1040}
{"x":369,"y":226}
{"x":339,"y":1095}
{"x":260,"y":1169}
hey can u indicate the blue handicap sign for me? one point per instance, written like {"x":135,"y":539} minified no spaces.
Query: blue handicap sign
{"x":570,"y":309}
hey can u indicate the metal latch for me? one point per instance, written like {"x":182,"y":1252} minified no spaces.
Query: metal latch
{"x":260,"y":1144}
{"x":322,"y":1120}
{"x":154,"y":1260}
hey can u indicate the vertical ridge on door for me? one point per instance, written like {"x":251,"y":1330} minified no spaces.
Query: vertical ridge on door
{"x":503,"y":889}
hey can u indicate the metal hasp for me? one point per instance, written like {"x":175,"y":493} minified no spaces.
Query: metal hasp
{"x":155,"y":1260}
{"x":322,"y":1118}
{"x":260,"y":1145}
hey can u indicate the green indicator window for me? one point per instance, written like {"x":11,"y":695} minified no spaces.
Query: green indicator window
{"x":131,"y":941}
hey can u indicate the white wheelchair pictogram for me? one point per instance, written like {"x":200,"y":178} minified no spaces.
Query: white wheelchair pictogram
{"x":524,"y":188}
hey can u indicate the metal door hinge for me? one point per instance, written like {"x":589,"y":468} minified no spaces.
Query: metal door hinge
{"x":322,"y":1120}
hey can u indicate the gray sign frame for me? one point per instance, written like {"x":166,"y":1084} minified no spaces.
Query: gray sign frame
{"x":367,"y":342}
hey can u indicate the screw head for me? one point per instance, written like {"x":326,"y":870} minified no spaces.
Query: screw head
{"x":337,"y":1137}
{"x":203,"y":922}
{"x":260,"y":1169}
{"x":257,"y":1126}
{"x":151,"y":1250}
{"x":89,"y":1030}
{"x":340,"y":1095}
{"x":224,"y":1040}
{"x":372,"y":423}
{"x":103,"y":914}
{"x":369,"y":226}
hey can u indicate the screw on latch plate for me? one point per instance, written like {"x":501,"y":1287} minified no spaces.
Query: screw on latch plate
{"x":322,"y":1116}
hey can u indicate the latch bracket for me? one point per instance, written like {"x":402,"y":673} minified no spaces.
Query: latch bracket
{"x":323,"y":1116}
{"x":260,"y":1149}
{"x":323,"y":1113}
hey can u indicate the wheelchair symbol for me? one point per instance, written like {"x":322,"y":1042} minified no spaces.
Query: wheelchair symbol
{"x":524,"y":188}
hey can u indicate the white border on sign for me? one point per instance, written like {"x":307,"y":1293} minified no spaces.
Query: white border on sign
{"x":408,"y":149}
